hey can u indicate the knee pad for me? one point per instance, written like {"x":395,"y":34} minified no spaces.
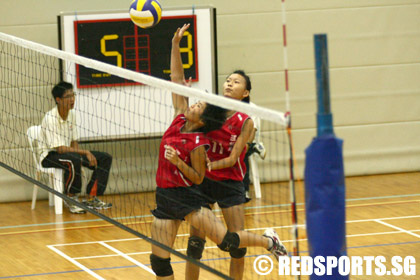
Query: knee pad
{"x":237,"y":253}
{"x":161,"y":267}
{"x":195,"y":247}
{"x":230,"y":241}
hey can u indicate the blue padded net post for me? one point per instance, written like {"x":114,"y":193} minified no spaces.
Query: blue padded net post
{"x":324,"y":176}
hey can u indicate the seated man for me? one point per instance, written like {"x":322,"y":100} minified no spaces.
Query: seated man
{"x":60,"y":149}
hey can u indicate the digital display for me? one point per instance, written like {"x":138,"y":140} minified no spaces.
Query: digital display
{"x":121,"y":43}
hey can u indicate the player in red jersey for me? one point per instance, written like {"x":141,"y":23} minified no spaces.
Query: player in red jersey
{"x":223,"y":181}
{"x":224,"y":178}
{"x":182,"y":165}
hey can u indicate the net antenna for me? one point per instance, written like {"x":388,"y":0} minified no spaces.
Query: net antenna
{"x":288,"y":114}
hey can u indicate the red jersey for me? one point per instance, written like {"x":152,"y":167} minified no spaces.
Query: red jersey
{"x":221,"y":145}
{"x":168,"y":175}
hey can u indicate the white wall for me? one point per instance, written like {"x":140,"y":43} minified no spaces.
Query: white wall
{"x":374,"y":56}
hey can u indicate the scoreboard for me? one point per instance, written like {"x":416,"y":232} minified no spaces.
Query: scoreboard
{"x":111,"y":37}
{"x":121,"y":43}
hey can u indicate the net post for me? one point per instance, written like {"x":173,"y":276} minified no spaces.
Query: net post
{"x":324,"y":177}
{"x":324,"y":116}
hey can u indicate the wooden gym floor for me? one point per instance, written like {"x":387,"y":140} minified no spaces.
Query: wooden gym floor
{"x":383,"y":219}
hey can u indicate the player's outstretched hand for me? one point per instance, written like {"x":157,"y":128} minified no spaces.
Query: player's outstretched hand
{"x":179,"y":34}
{"x":188,"y":83}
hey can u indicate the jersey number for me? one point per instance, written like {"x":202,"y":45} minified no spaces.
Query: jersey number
{"x":214,"y":148}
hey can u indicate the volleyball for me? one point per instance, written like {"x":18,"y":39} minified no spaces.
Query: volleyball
{"x":145,"y":13}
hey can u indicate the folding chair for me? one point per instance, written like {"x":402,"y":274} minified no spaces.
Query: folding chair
{"x":55,"y":175}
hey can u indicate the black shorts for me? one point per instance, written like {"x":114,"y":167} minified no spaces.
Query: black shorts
{"x":226,"y":193}
{"x":176,"y":203}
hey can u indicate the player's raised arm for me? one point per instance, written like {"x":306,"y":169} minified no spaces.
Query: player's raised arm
{"x":180,"y":103}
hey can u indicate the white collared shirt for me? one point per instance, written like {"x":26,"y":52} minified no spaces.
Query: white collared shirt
{"x":56,"y":132}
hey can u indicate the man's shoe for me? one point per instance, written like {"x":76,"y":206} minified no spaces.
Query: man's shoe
{"x":247,"y":197}
{"x":73,"y":208}
{"x":97,"y":204}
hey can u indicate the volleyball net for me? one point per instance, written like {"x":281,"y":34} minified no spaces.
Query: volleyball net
{"x":128,"y":122}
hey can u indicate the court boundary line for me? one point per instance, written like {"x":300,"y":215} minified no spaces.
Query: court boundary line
{"x":133,"y":266}
{"x":250,"y":229}
{"x":90,"y":271}
{"x":127,"y":257}
{"x":217,"y":210}
{"x":76,"y":263}
{"x":283,"y":241}
{"x":397,"y":228}
{"x":399,"y":231}
{"x":145,"y":222}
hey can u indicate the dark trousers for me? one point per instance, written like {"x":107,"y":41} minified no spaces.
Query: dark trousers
{"x":72,"y":164}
